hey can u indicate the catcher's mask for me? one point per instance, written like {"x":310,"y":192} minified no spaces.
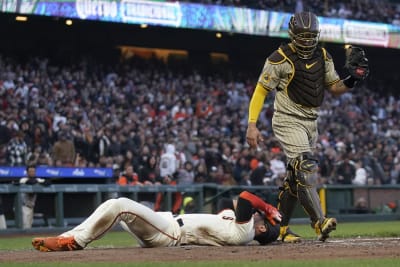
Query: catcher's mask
{"x":304,"y":33}
{"x":270,"y":235}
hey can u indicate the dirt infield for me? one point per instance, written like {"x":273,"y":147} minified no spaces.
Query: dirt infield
{"x":358,"y":248}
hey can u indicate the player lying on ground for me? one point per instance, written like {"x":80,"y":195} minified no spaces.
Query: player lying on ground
{"x":252,"y":219}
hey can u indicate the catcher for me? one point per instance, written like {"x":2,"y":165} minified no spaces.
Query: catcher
{"x":251,"y":219}
{"x":300,"y":72}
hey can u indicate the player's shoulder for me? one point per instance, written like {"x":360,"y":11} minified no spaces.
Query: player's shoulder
{"x":327,"y":56}
{"x":276,"y":57}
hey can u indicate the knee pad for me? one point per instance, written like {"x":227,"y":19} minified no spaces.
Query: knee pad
{"x":305,"y":168}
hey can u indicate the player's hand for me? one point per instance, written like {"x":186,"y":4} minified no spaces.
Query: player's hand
{"x":356,"y":63}
{"x":253,"y":135}
{"x":272,"y":214}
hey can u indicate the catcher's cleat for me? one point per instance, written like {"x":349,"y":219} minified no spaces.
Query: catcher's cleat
{"x":323,"y":230}
{"x":287,"y":236}
{"x":57,"y":243}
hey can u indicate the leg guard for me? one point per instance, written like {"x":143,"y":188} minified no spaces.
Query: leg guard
{"x":305,"y":168}
{"x":287,"y":198}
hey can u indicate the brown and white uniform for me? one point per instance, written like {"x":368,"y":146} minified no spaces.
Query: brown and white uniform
{"x":295,"y":124}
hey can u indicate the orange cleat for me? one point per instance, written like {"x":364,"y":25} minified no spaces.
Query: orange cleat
{"x":57,"y":243}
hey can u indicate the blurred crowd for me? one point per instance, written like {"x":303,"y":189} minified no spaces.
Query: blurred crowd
{"x":158,"y":123}
{"x":384,"y":11}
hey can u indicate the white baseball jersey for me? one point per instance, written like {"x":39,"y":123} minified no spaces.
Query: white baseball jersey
{"x":161,"y":229}
{"x":216,"y":229}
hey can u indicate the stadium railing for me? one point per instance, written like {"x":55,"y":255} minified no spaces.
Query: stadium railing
{"x":64,"y":205}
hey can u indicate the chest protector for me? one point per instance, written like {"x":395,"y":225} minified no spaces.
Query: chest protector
{"x":306,"y":85}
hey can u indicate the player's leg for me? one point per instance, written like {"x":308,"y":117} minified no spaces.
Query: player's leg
{"x":293,"y":137}
{"x":305,"y":168}
{"x":150,"y":228}
{"x":287,"y":200}
{"x":323,"y":226}
{"x":141,"y":221}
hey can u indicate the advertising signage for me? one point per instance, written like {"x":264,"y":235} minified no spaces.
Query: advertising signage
{"x":55,"y":172}
{"x":205,"y":17}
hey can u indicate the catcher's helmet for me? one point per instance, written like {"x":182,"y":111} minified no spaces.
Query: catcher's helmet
{"x":304,"y":33}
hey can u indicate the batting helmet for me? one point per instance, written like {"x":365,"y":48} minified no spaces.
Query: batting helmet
{"x":270,"y":235}
{"x":304,"y":33}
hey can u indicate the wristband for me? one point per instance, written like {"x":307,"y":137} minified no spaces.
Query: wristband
{"x":349,"y":81}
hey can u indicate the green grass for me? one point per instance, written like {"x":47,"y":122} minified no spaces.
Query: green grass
{"x":117,"y":239}
{"x":355,"y":229}
{"x":111,"y":240}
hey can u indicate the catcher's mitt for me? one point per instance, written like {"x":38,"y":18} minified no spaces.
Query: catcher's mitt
{"x":356,"y":63}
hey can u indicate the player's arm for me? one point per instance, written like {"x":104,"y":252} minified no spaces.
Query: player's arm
{"x":356,"y":65}
{"x":338,"y":88}
{"x":267,"y":81}
{"x":248,"y":203}
{"x":256,"y":103}
{"x":253,"y":135}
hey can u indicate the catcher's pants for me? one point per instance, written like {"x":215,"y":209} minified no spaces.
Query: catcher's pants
{"x":150,"y":228}
{"x":295,"y":134}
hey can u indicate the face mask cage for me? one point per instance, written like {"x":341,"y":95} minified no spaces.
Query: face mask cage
{"x":305,"y":43}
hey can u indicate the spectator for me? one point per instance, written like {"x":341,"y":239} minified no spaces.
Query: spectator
{"x":257,"y":175}
{"x":129,"y":176}
{"x":246,"y":180}
{"x":201,"y":174}
{"x":40,"y":137}
{"x":29,"y":199}
{"x":185,"y":175}
{"x":361,"y":174}
{"x":131,"y":159}
{"x":168,"y":162}
{"x":240,"y":169}
{"x":345,"y":171}
{"x":103,"y":137}
{"x":5,"y":137}
{"x":115,"y":147}
{"x":17,"y":150}
{"x":150,"y":173}
{"x":361,"y":206}
{"x":278,"y":166}
{"x":63,"y":153}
